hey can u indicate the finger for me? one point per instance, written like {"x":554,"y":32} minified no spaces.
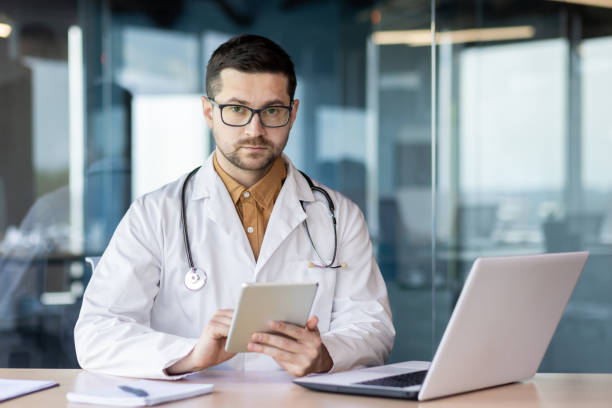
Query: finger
{"x":225,"y":312}
{"x":223,"y":315}
{"x":216,"y":331}
{"x":217,"y":326}
{"x":277,"y":354}
{"x":311,"y":338}
{"x":312,"y":323}
{"x":280,"y":342}
{"x":222,"y":319}
{"x":288,"y":329}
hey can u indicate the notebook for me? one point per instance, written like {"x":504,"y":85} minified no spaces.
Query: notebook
{"x":498,"y":333}
{"x":140,"y":393}
{"x":10,"y":389}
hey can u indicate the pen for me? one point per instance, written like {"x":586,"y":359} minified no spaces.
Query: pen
{"x":136,"y":391}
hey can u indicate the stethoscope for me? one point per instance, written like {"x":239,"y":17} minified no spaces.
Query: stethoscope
{"x":196,"y":278}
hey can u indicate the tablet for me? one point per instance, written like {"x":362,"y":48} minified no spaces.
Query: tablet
{"x":261,"y":303}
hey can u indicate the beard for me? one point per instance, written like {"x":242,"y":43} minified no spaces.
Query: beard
{"x":253,"y":161}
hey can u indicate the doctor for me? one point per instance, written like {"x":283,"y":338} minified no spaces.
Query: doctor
{"x":250,"y":216}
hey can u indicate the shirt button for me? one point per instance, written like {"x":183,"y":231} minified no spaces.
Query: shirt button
{"x":250,"y":230}
{"x":246,"y":194}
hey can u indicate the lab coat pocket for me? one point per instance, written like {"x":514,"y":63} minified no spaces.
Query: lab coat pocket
{"x":324,"y":299}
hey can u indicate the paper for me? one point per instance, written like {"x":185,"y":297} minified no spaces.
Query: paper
{"x":16,"y":388}
{"x":158,"y":392}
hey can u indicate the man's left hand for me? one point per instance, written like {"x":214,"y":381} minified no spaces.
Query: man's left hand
{"x":299,"y":350}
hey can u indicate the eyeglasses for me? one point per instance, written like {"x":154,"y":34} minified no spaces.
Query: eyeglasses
{"x":239,"y":115}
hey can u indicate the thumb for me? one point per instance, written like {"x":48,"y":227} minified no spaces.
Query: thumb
{"x":311,"y":324}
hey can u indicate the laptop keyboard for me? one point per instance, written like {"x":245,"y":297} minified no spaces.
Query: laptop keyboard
{"x":402,"y":380}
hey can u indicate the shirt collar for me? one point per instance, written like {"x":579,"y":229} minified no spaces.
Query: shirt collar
{"x":207,"y":182}
{"x":267,"y":189}
{"x":264,"y":191}
{"x":234,"y":188}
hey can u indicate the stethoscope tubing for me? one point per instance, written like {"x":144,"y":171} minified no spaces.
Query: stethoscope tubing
{"x":332,"y":209}
{"x":194,"y":271}
{"x":184,"y":219}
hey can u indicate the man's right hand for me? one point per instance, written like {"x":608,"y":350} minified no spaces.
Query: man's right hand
{"x":210,"y":348}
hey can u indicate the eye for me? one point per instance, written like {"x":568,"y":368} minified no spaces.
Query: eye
{"x":272,"y":111}
{"x":237,"y":109}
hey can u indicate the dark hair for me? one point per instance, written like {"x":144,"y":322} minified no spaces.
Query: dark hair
{"x":252,"y":54}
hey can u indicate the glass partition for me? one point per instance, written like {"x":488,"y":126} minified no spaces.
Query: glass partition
{"x":41,"y":265}
{"x":520,"y":128}
{"x":399,"y":102}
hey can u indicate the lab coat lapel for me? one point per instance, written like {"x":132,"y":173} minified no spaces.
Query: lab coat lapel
{"x":219,"y":207}
{"x":287,"y":213}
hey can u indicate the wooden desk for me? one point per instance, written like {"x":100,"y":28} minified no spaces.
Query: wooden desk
{"x":274,"y":389}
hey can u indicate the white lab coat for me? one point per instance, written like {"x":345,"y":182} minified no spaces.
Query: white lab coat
{"x":138,"y":318}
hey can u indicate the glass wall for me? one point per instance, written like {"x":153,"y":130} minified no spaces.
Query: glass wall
{"x":520,"y":142}
{"x":41,"y":266}
{"x":461,"y":129}
{"x":399,"y":100}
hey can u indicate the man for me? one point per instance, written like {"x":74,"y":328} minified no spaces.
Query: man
{"x":245,"y":209}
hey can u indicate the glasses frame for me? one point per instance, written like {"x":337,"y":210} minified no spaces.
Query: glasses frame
{"x":253,"y":112}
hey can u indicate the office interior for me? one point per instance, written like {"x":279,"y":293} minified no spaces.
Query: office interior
{"x":460,"y":128}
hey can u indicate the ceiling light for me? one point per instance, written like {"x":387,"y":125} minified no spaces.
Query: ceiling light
{"x":594,"y":3}
{"x":5,"y":30}
{"x":416,"y":38}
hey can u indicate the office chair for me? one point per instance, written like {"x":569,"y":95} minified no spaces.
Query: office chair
{"x":92,"y":261}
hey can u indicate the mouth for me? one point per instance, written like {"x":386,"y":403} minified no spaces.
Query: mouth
{"x":253,"y":148}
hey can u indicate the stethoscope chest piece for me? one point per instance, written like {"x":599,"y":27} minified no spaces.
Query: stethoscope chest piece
{"x":195,"y":279}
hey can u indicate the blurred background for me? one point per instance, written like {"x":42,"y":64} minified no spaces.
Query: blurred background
{"x":461,"y":128}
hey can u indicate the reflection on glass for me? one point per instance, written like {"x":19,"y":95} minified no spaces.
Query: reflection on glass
{"x":40,"y":276}
{"x":597,"y":133}
{"x":169,"y":138}
{"x":512,"y":101}
{"x":523,"y":144}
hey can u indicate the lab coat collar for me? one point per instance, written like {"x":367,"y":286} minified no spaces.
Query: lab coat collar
{"x":204,"y":179}
{"x":219,"y":206}
{"x":297,"y":182}
{"x":287,"y":213}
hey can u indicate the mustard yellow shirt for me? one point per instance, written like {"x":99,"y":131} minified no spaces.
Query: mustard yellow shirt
{"x":254,"y":204}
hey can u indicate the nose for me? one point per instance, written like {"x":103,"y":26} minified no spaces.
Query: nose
{"x":254,"y":128}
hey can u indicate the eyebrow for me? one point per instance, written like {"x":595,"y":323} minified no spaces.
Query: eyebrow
{"x":273,"y":102}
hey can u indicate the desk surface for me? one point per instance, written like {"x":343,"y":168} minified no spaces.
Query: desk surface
{"x":275,"y":389}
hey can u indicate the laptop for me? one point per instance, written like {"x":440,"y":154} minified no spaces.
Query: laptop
{"x":498,"y":332}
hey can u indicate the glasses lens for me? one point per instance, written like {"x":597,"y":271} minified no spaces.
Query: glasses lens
{"x":274,"y":116}
{"x":235,"y":115}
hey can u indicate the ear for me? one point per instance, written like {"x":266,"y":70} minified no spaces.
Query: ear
{"x":207,"y":110}
{"x":296,"y":104}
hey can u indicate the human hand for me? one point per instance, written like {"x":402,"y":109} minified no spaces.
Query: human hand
{"x":299,"y":350}
{"x":210,"y":348}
